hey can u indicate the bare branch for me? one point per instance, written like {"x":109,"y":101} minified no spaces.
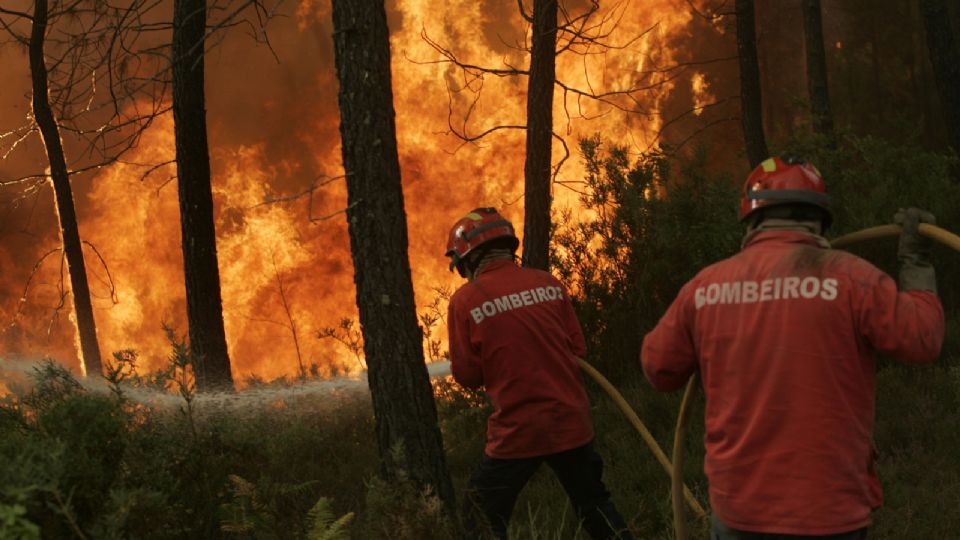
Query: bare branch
{"x":15,"y":13}
{"x":55,"y":316}
{"x":692,"y":110}
{"x":676,"y":147}
{"x":23,"y":179}
{"x":26,"y":287}
{"x":108,"y":81}
{"x":109,"y":281}
{"x":588,"y":33}
{"x":316,"y":184}
{"x":255,"y":30}
{"x":338,"y":212}
{"x":21,"y":133}
{"x":566,"y":155}
{"x":164,"y":184}
{"x":154,"y":168}
{"x":22,"y":39}
{"x":348,"y":336}
{"x":466,"y":139}
{"x":451,"y":58}
{"x":523,"y":12}
{"x":291,"y":324}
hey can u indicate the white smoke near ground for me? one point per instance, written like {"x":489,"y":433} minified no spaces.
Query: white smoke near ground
{"x":15,"y":374}
{"x":17,"y":377}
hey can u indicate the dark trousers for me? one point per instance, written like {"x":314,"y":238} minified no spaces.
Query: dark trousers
{"x":496,"y":483}
{"x":719,"y":531}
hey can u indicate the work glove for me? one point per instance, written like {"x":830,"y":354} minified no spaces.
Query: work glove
{"x":916,"y":271}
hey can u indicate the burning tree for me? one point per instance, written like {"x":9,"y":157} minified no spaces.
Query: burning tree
{"x":60,"y":177}
{"x":586,"y":31}
{"x":201,"y":269}
{"x":536,"y":169}
{"x":101,"y":73}
{"x":578,"y":33}
{"x":402,"y":396}
{"x":93,"y":43}
{"x":208,"y":341}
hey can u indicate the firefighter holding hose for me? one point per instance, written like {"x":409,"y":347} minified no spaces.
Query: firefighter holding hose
{"x":513,"y":331}
{"x":784,"y":335}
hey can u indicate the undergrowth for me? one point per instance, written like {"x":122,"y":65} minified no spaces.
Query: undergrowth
{"x":80,"y":463}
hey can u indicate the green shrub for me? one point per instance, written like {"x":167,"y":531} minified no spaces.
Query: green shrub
{"x":644,"y":229}
{"x":136,"y":462}
{"x":13,"y":518}
{"x":401,"y":510}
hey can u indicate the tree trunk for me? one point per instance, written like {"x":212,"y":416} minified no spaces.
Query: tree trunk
{"x":919,"y":74}
{"x":751,"y":116}
{"x":944,"y":50}
{"x":399,"y":385}
{"x":208,"y":342}
{"x":817,"y":69}
{"x":536,"y":168}
{"x":69,"y":232}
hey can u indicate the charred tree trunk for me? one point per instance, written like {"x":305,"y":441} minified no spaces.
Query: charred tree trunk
{"x":208,"y":342}
{"x":536,"y":168}
{"x":69,"y":231}
{"x":817,"y":69}
{"x":399,"y":385}
{"x":944,"y":50}
{"x":751,"y":116}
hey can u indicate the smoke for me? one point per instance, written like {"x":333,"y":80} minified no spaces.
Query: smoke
{"x":303,"y":396}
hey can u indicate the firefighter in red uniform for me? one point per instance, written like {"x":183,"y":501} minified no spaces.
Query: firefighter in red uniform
{"x":514,"y":332}
{"x":784,"y":336}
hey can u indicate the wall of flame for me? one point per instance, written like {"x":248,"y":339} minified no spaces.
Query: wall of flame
{"x":274,"y":131}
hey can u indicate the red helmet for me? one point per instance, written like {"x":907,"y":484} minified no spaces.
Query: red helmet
{"x":784,"y":180}
{"x":481,"y":225}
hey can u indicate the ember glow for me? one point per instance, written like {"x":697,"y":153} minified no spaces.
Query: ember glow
{"x":274,"y":134}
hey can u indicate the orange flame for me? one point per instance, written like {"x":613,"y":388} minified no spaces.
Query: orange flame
{"x":273,"y":132}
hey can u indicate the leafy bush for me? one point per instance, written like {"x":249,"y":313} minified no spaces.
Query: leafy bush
{"x":133,"y":462}
{"x":401,"y":510}
{"x":644,"y":229}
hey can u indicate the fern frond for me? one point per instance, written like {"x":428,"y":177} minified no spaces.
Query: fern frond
{"x":323,"y":526}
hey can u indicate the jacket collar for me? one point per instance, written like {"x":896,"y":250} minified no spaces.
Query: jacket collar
{"x":495,"y":265}
{"x":784,"y":237}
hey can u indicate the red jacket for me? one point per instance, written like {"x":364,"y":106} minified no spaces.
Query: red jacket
{"x":513,"y":331}
{"x":784,"y":335}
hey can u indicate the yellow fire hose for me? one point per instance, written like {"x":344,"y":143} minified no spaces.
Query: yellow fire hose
{"x":933,"y":232}
{"x":647,"y":437}
{"x":680,"y":492}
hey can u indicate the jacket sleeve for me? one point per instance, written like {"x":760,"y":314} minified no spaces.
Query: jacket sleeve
{"x":571,"y":324}
{"x":668,"y":355}
{"x":908,"y":325}
{"x":464,"y":360}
